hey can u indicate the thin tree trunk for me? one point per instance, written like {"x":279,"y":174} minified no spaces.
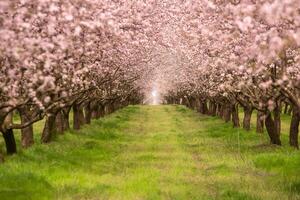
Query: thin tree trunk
{"x":201,"y":108}
{"x":81,"y":115}
{"x":10,"y":142}
{"x":226,"y":113}
{"x":277,"y":120}
{"x":259,"y":122}
{"x":219,"y":110}
{"x":286,"y":106}
{"x":290,"y":110}
{"x":95,"y":111}
{"x":272,"y":130}
{"x":197,"y":106}
{"x":213,"y":111}
{"x":247,"y":118}
{"x":8,"y":135}
{"x":59,"y":122}
{"x":294,"y":128}
{"x":66,"y":121}
{"x":235,"y":116}
{"x":107,"y":109}
{"x":26,"y":133}
{"x":205,"y":108}
{"x":1,"y":158}
{"x":99,"y":111}
{"x":88,"y":113}
{"x":49,"y":129}
{"x":78,"y":117}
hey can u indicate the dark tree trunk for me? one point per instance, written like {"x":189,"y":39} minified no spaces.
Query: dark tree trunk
{"x":95,"y":109}
{"x":1,"y":158}
{"x":26,"y":133}
{"x":107,"y":109}
{"x":272,"y":130}
{"x":226,"y":113}
{"x":235,"y":116}
{"x":286,"y":106}
{"x":59,"y":122}
{"x":277,"y":121}
{"x":94,"y":113}
{"x":219,"y":110}
{"x":294,"y":128}
{"x":88,"y":113}
{"x":290,"y":110}
{"x":186,"y":102}
{"x":81,"y":116}
{"x":99,"y":111}
{"x":112,"y":107}
{"x":78,"y":117}
{"x":205,"y":108}
{"x":213,"y":109}
{"x":197,"y":105}
{"x":102,"y":110}
{"x":49,"y":129}
{"x":259,"y":122}
{"x":247,"y":118}
{"x":66,"y":121}
{"x":201,"y":108}
{"x":191,"y":100}
{"x":10,"y":142}
{"x":189,"y":103}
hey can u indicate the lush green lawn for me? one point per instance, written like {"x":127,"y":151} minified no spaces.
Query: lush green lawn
{"x":154,"y":152}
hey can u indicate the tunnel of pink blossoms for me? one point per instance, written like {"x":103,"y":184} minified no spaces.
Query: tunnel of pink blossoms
{"x":93,"y":57}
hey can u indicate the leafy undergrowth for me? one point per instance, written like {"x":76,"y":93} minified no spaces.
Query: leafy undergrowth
{"x":154,"y":152}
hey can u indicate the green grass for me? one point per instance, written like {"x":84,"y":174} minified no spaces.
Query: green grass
{"x":153,"y":152}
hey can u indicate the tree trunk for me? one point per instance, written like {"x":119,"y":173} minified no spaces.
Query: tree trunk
{"x":272,"y":130}
{"x":226,"y":113}
{"x":277,"y":120}
{"x":10,"y":142}
{"x":59,"y":122}
{"x":259,"y":122}
{"x":1,"y":158}
{"x":88,"y":113}
{"x":8,"y":135}
{"x":247,"y":118}
{"x":235,"y":116}
{"x":99,"y":111}
{"x":294,"y":128}
{"x":205,"y":108}
{"x":66,"y":121}
{"x":197,"y":105}
{"x":49,"y":129}
{"x":201,"y":108}
{"x":95,"y":110}
{"x":286,"y":106}
{"x":290,"y":110}
{"x":78,"y":117}
{"x":26,"y":133}
{"x":213,"y":109}
{"x":219,"y":111}
{"x":107,"y":109}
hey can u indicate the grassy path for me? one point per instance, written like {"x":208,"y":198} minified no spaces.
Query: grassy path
{"x":154,"y":152}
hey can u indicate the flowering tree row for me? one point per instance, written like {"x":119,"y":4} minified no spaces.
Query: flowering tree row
{"x":85,"y":55}
{"x":241,"y":54}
